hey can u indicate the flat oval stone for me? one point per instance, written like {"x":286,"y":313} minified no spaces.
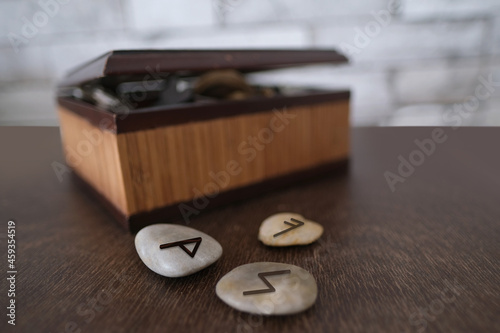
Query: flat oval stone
{"x":175,"y":250}
{"x":287,"y":229}
{"x":268,"y":288}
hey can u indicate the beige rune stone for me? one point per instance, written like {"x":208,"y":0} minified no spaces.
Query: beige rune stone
{"x":244,"y":288}
{"x":272,"y":230}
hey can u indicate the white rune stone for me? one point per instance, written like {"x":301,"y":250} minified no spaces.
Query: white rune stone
{"x":174,"y":250}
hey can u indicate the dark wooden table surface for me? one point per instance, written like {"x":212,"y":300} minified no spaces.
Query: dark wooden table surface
{"x":424,"y":258}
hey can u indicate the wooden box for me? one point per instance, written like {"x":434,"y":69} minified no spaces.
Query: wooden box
{"x":163,"y":135}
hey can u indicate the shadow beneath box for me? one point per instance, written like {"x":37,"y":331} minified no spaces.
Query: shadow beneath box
{"x":172,"y":213}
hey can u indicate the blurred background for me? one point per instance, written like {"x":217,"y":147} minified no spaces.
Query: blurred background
{"x":413,"y":62}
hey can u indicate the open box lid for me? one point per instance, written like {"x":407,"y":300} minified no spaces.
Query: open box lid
{"x":143,"y":62}
{"x":116,"y":67}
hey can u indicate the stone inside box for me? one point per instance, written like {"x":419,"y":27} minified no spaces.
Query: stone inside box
{"x":122,"y":94}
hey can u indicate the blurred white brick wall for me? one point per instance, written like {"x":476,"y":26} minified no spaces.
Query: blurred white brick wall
{"x":410,"y":59}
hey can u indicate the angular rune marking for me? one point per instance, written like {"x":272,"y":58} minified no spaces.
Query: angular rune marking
{"x":270,"y":288}
{"x":181,"y":243}
{"x":293,"y":226}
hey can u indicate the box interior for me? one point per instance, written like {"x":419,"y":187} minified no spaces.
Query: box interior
{"x":137,"y":93}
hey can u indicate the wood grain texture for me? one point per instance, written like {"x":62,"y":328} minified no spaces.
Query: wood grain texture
{"x":168,"y":165}
{"x":94,"y":154}
{"x":169,"y":115}
{"x":145,"y":170}
{"x":384,"y":256}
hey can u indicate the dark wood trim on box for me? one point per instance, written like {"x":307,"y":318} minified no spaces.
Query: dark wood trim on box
{"x":86,"y":72}
{"x":98,"y":117}
{"x":172,"y":213}
{"x":178,"y":114}
{"x":146,"y":62}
